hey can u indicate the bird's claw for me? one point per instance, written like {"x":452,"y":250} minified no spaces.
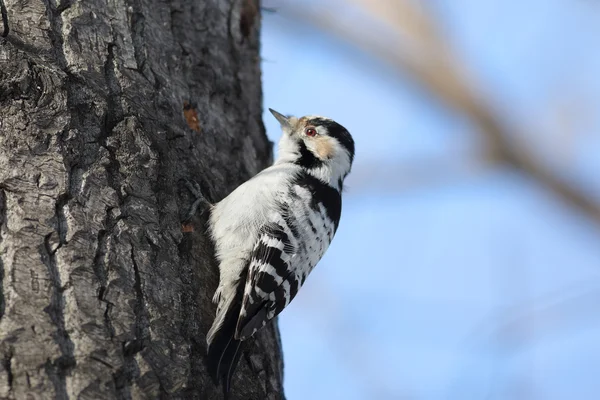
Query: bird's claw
{"x":200,"y":201}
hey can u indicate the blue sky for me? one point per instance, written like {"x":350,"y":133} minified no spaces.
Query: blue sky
{"x":448,"y":279}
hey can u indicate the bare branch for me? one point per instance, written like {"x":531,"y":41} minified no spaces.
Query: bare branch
{"x":424,"y":55}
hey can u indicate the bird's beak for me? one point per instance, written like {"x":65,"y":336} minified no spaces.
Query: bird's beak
{"x":283,"y":120}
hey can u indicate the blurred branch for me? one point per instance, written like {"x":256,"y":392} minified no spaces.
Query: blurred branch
{"x":425,"y":56}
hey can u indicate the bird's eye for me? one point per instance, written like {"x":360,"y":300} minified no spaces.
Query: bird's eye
{"x":310,"y":132}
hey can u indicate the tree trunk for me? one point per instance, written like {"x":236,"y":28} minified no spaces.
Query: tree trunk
{"x":105,"y":108}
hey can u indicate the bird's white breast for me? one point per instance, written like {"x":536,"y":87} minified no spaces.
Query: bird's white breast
{"x":235,"y":221}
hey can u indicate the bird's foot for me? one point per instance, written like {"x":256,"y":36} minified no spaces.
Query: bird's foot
{"x":200,"y":202}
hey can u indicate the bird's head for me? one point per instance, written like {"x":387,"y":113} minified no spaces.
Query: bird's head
{"x":318,"y":144}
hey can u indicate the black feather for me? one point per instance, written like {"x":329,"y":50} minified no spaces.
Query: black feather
{"x":322,"y":193}
{"x":307,"y":159}
{"x":225,"y":350}
{"x":254,"y":321}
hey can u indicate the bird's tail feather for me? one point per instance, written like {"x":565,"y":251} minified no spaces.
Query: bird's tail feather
{"x":224,"y":350}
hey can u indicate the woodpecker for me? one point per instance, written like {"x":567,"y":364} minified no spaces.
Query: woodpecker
{"x":272,"y":230}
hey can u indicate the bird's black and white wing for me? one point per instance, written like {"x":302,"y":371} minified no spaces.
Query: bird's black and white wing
{"x":286,"y":251}
{"x":273,"y":279}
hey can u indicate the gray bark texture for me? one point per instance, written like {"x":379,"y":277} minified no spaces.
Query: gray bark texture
{"x":106,"y":106}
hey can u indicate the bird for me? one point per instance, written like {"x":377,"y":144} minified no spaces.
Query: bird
{"x":271,"y":231}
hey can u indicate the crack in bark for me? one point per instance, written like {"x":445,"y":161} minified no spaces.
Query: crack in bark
{"x":64,"y":6}
{"x":61,"y":220}
{"x":114,"y":112}
{"x":130,"y":371}
{"x":107,"y":320}
{"x":7,"y":363}
{"x":98,"y":263}
{"x":141,"y":328}
{"x":55,"y":32}
{"x":137,"y":35}
{"x":101,"y":361}
{"x":4,"y":19}
{"x":100,"y":268}
{"x":114,"y":115}
{"x":61,"y":367}
{"x":2,"y":221}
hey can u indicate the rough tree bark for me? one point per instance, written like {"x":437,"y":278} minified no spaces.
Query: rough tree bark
{"x":105,"y":106}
